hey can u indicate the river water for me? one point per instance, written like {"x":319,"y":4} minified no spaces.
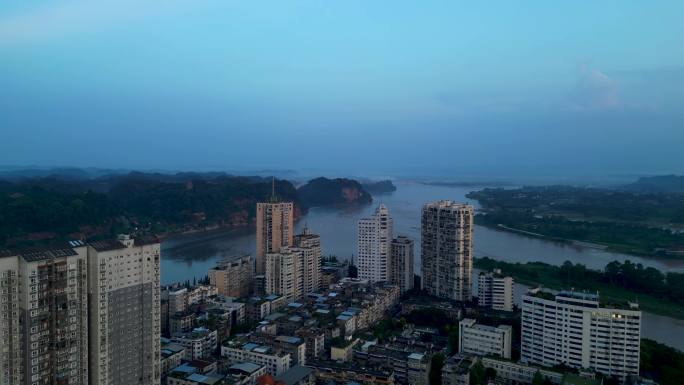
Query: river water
{"x":190,"y":256}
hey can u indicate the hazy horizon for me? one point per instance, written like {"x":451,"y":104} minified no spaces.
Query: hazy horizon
{"x":553,"y":89}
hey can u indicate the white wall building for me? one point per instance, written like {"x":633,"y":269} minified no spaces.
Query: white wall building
{"x":484,"y":340}
{"x":574,"y":329}
{"x":495,"y":291}
{"x":373,"y":250}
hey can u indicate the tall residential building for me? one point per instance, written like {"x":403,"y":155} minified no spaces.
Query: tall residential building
{"x":274,"y":228}
{"x":44,"y":323}
{"x":283,"y":274}
{"x":495,"y":290}
{"x":309,"y":246}
{"x":232,"y":277}
{"x":447,"y":249}
{"x":401,"y":263}
{"x":575,"y":329}
{"x":124,"y":314}
{"x":374,"y":238}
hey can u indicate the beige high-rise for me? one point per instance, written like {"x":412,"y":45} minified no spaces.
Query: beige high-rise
{"x":274,"y":227}
{"x":309,"y":247}
{"x":232,"y":277}
{"x":283,"y":271}
{"x":447,"y":249}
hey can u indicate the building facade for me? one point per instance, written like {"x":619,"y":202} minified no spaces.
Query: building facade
{"x":483,"y":340}
{"x":401,"y":263}
{"x":447,"y":249}
{"x":232,"y":277}
{"x":494,"y":290}
{"x":44,"y":323}
{"x":308,"y":245}
{"x":283,"y":274}
{"x":373,"y":250}
{"x":274,"y":229}
{"x":574,"y":329}
{"x":124,"y":314}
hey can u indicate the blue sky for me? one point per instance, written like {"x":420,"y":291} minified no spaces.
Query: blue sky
{"x":493,"y":87}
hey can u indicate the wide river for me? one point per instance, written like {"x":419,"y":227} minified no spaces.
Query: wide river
{"x":190,"y":256}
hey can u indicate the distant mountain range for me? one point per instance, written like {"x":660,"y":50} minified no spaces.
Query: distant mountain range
{"x":661,"y":183}
{"x":77,"y":204}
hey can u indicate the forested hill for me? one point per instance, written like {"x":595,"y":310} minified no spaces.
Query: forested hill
{"x":53,"y":208}
{"x":661,"y":183}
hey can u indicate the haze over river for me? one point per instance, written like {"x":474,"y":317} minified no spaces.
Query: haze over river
{"x":188,"y":256}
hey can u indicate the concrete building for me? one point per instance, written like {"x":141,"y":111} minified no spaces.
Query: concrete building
{"x":456,"y":370}
{"x":232,"y":277}
{"x":44,"y":322}
{"x":447,"y":249}
{"x":373,"y":247}
{"x":199,"y":343}
{"x":401,"y":263}
{"x":284,"y":274}
{"x":494,"y":290}
{"x":308,"y":245}
{"x":484,"y":340}
{"x":274,"y":229}
{"x":517,"y":373}
{"x":575,"y":329}
{"x":238,"y":351}
{"x":245,"y":373}
{"x":124,"y":315}
{"x":171,"y":356}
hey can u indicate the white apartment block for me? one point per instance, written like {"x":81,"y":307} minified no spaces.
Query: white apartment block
{"x":401,"y":263}
{"x":373,"y":247}
{"x":483,"y":340}
{"x":574,"y":329}
{"x":447,"y":249}
{"x":495,"y":291}
{"x":124,"y":316}
{"x":276,"y":363}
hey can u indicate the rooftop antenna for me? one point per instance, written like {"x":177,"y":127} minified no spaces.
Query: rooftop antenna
{"x":273,"y":197}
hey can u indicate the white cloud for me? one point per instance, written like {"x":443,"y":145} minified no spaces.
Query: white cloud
{"x":595,"y":91}
{"x":64,"y":18}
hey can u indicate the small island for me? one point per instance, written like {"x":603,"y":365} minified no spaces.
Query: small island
{"x":379,"y":187}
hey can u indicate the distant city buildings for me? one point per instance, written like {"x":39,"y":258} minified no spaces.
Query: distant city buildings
{"x":447,"y":249}
{"x":495,"y":291}
{"x":373,"y":252}
{"x":576,"y":330}
{"x":232,"y":278}
{"x":274,"y":229}
{"x":401,"y":263}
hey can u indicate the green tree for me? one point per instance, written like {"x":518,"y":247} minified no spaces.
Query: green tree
{"x":435,"y":375}
{"x":477,"y":374}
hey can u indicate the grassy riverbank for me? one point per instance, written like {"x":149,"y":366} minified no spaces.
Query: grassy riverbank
{"x":656,"y":292}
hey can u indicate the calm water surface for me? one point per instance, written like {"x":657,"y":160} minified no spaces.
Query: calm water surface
{"x":190,"y":256}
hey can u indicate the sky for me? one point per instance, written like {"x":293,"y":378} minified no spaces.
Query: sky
{"x":386,"y":87}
